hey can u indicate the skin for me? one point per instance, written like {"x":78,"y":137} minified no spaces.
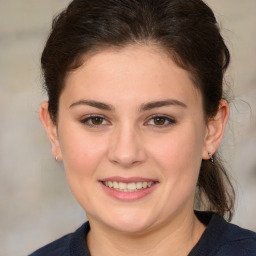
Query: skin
{"x":128,"y":142}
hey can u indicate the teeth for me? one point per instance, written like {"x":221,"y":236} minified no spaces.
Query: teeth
{"x":139,"y":185}
{"x":128,"y":187}
{"x":115,"y":184}
{"x":131,"y":186}
{"x":122,"y":185}
{"x":110,"y":184}
{"x":144,"y":184}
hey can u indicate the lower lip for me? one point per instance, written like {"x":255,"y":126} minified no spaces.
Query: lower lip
{"x":128,"y":196}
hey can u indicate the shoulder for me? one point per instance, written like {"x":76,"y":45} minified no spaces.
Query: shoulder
{"x":237,"y":241}
{"x":67,"y":245}
{"x":222,"y":238}
{"x":55,"y":248}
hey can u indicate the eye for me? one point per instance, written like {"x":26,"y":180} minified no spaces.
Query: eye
{"x":94,"y":121}
{"x":161,"y":121}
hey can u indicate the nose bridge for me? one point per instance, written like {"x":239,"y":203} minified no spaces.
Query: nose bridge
{"x":126,"y":146}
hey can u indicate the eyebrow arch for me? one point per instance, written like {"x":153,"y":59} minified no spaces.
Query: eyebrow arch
{"x":162,"y":103}
{"x":144,"y":107}
{"x":92,"y":103}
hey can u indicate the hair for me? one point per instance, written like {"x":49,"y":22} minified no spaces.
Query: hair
{"x":185,"y":29}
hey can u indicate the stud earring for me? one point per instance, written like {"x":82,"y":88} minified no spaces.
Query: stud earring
{"x":56,"y":158}
{"x":211,"y":158}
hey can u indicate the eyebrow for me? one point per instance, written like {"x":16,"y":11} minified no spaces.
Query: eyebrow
{"x":143,"y":107}
{"x":162,"y":103}
{"x":92,"y":103}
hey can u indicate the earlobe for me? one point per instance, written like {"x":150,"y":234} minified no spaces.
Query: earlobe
{"x":51,"y":130}
{"x":215,"y":129}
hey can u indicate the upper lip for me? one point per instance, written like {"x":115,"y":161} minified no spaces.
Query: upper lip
{"x":128,"y":179}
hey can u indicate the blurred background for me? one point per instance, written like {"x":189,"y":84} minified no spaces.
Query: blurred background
{"x":36,"y":205}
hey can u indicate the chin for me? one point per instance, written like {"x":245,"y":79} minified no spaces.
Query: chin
{"x":130,"y":227}
{"x":131,"y":222}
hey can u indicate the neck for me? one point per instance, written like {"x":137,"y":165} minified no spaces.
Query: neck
{"x":177,"y":237}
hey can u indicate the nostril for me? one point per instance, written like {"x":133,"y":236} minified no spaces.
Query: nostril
{"x":126,"y":148}
{"x":124,"y":162}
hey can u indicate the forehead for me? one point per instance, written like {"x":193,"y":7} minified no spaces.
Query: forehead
{"x":132,"y":72}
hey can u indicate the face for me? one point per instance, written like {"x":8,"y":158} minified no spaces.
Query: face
{"x":131,"y":133}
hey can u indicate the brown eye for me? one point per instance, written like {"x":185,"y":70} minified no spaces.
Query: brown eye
{"x":159,"y":120}
{"x":97,"y":120}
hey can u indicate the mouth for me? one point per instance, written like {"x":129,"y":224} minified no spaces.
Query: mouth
{"x":128,"y":186}
{"x":128,"y":189}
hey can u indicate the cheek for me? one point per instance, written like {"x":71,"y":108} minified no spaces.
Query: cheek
{"x":81,"y":153}
{"x":179,"y":153}
{"x":179,"y":159}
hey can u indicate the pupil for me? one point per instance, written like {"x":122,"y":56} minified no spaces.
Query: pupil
{"x":159,"y":120}
{"x":97,"y":120}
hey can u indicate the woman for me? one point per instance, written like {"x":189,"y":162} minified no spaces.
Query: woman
{"x":136,"y":113}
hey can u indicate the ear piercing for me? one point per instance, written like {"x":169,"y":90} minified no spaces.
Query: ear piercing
{"x":211,"y":158}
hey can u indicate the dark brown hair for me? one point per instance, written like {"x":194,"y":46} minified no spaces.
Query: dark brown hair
{"x":186,"y":29}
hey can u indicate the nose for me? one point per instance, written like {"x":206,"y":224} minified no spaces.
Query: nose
{"x":126,"y":147}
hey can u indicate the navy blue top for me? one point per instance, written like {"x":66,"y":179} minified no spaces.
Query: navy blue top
{"x":219,"y":239}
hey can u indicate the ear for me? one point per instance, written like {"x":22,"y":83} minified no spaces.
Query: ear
{"x":215,"y":129}
{"x":51,"y":130}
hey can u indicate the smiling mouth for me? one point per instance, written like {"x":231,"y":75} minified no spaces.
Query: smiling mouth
{"x":128,"y":187}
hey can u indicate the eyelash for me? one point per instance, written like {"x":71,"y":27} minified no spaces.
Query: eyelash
{"x":88,"y":119}
{"x":169,"y":120}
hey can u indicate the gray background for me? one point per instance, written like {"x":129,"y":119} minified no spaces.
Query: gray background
{"x":36,"y":205}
